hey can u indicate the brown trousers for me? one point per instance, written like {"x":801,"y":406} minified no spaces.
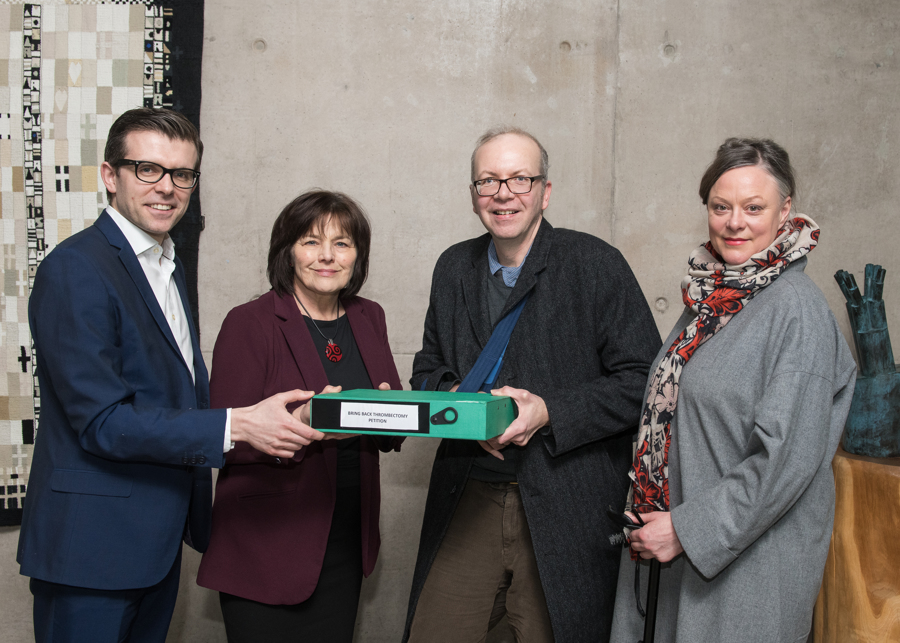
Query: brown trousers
{"x":484,"y":569}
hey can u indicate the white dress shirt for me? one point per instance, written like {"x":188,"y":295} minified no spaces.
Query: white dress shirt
{"x":158,"y":264}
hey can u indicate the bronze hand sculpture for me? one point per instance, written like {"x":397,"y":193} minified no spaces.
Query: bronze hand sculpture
{"x":873,"y":426}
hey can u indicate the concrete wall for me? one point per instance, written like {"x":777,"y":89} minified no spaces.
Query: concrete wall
{"x":384,"y":100}
{"x":818,"y":76}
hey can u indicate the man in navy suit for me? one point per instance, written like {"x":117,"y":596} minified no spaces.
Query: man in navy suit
{"x":121,"y":469}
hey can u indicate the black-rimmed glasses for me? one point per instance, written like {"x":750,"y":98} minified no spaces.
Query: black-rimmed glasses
{"x":148,"y":172}
{"x":515,"y":184}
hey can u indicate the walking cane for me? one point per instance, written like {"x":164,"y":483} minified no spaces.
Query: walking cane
{"x":624,"y":520}
{"x":652,"y":595}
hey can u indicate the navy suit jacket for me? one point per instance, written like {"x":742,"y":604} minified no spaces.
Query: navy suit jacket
{"x":123,"y":447}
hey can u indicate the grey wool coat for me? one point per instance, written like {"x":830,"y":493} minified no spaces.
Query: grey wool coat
{"x":760,"y":412}
{"x":584,"y":343}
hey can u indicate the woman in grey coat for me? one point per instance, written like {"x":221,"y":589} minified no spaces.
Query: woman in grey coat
{"x":745,"y":407}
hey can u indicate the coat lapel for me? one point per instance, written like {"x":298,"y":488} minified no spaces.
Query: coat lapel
{"x":309,"y":363}
{"x":534,"y":265}
{"x":130,"y":261}
{"x":296,"y":334}
{"x":474,"y":287}
{"x":368,"y":342}
{"x":299,"y":341}
{"x":474,"y":281}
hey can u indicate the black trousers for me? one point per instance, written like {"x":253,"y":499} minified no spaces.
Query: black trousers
{"x":329,"y":615}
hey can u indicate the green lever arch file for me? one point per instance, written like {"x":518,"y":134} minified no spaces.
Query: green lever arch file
{"x":467,"y":416}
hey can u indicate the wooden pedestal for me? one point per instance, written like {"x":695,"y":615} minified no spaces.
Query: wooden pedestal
{"x":860,"y":596}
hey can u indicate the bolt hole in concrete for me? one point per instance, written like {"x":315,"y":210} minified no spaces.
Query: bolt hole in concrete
{"x":259,"y":45}
{"x":565,"y":47}
{"x":669,"y":50}
{"x":662,"y":304}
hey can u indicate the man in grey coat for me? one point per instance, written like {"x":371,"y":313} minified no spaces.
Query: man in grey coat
{"x":517,"y":525}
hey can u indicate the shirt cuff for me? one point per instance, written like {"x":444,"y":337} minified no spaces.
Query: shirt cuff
{"x":229,"y":445}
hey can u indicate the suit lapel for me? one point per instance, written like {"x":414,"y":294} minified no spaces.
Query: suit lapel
{"x":474,"y":287}
{"x":201,"y":377}
{"x":130,"y":261}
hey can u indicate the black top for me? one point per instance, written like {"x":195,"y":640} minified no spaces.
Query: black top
{"x":486,"y":467}
{"x":348,"y":373}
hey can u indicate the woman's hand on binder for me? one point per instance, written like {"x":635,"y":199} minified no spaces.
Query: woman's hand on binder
{"x":492,"y":447}
{"x":532,"y":416}
{"x":302,"y":414}
{"x":384,"y":386}
{"x":302,"y":411}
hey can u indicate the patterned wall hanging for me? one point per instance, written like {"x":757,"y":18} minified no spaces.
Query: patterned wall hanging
{"x":67,"y":70}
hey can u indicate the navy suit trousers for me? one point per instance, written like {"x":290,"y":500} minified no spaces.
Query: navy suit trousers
{"x":66,"y":614}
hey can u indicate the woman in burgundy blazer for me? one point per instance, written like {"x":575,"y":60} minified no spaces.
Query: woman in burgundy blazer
{"x":277,"y":521}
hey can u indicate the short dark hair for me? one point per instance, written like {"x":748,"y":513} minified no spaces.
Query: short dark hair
{"x":311,"y":210}
{"x":500,"y":130}
{"x":169,"y":123}
{"x":742,"y":152}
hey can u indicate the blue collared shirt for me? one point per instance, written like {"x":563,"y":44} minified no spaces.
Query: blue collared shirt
{"x":510,"y":275}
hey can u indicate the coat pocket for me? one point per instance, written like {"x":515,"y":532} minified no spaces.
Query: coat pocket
{"x":268,"y":494}
{"x":92,"y":483}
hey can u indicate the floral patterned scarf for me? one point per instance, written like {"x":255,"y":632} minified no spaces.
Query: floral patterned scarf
{"x":715,"y":291}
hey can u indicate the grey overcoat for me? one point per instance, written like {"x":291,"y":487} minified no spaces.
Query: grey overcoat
{"x":584,"y":343}
{"x":761,"y":409}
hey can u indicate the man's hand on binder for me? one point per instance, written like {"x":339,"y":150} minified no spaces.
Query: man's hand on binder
{"x":532,"y":416}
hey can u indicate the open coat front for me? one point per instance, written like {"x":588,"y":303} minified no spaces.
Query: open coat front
{"x":584,"y":343}
{"x":272,"y":516}
{"x":760,"y":412}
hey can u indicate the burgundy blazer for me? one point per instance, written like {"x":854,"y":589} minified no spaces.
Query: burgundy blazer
{"x":271,"y":516}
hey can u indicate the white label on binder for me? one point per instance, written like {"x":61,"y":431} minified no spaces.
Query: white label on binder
{"x":380,"y":417}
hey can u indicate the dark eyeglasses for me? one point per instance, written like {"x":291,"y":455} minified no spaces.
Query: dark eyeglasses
{"x":515,"y":184}
{"x":148,"y":172}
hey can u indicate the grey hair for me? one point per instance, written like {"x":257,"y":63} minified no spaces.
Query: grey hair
{"x":500,"y":130}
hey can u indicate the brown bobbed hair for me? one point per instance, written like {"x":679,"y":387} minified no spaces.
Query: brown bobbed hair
{"x":312,"y":210}
{"x":742,"y":152}
{"x":163,"y":121}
